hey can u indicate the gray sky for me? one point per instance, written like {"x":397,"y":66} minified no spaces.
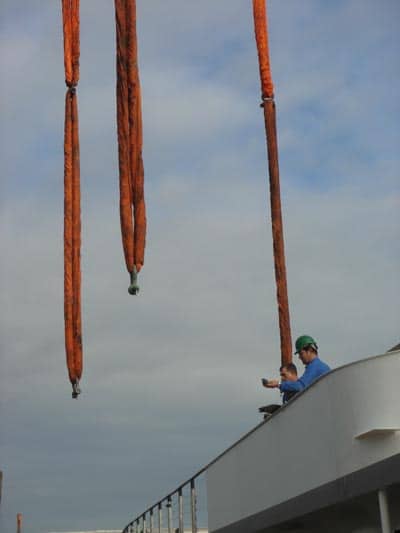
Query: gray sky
{"x":171,"y":377}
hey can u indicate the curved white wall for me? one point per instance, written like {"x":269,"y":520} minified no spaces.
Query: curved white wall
{"x":344,"y":422}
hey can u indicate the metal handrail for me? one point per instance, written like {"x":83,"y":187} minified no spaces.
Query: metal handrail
{"x":141,"y":520}
{"x":191,"y":481}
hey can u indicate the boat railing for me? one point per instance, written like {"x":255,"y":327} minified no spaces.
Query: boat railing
{"x":179,"y":506}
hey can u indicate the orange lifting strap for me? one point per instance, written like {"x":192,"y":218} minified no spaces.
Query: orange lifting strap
{"x":130,"y":141}
{"x":131,"y":173}
{"x":268,"y":104}
{"x":72,"y":221}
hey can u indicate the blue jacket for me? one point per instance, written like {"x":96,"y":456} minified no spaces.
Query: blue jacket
{"x":314,"y":370}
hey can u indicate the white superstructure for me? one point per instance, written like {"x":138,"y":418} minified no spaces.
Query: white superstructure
{"x":329,"y":452}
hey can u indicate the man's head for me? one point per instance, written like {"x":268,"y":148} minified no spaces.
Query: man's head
{"x":288,"y":372}
{"x":306,"y":348}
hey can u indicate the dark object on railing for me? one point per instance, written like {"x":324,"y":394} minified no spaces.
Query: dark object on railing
{"x":395,"y":348}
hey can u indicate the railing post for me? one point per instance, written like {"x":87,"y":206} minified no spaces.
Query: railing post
{"x":180,"y":504}
{"x":169,"y":506}
{"x":159,"y":517}
{"x":19,"y":523}
{"x":144,"y":523}
{"x":193,"y":505}
{"x":151,"y":521}
{"x":384,"y":511}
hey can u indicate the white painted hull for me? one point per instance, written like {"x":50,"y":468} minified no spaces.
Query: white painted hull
{"x":337,"y":443}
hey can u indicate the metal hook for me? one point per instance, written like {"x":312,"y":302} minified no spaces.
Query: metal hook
{"x":133,"y":287}
{"x":75,"y":389}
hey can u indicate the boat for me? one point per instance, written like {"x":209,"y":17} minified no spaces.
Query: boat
{"x":328,"y":460}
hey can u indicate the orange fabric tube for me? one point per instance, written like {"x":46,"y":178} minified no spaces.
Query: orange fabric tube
{"x":75,"y":49}
{"x":140,"y":216}
{"x":130,"y":138}
{"x":260,"y":26}
{"x":133,"y":87}
{"x":261,"y":31}
{"x":67,"y":31}
{"x":135,"y":137}
{"x":76,"y":239}
{"x":72,"y":220}
{"x":125,"y":185}
{"x":68,"y":238}
{"x":139,"y":203}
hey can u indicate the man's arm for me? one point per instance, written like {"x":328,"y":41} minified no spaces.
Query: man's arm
{"x":311,"y":373}
{"x":286,"y":386}
{"x":292,"y":386}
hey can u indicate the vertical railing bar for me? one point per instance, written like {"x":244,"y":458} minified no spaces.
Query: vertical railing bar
{"x":180,"y":506}
{"x":193,"y":505}
{"x":169,"y":505}
{"x":159,"y":517}
{"x":144,"y":523}
{"x":384,"y":511}
{"x":151,"y":521}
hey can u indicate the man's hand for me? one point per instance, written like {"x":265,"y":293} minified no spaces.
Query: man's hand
{"x":272,"y":384}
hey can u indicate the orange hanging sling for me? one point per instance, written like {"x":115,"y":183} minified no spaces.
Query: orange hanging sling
{"x":130,"y":141}
{"x":268,"y":104}
{"x":131,"y":173}
{"x":72,"y":221}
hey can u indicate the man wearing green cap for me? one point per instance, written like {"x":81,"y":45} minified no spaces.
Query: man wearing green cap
{"x":307,"y":350}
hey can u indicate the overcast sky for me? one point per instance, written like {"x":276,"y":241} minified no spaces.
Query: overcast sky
{"x":172,"y":376}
